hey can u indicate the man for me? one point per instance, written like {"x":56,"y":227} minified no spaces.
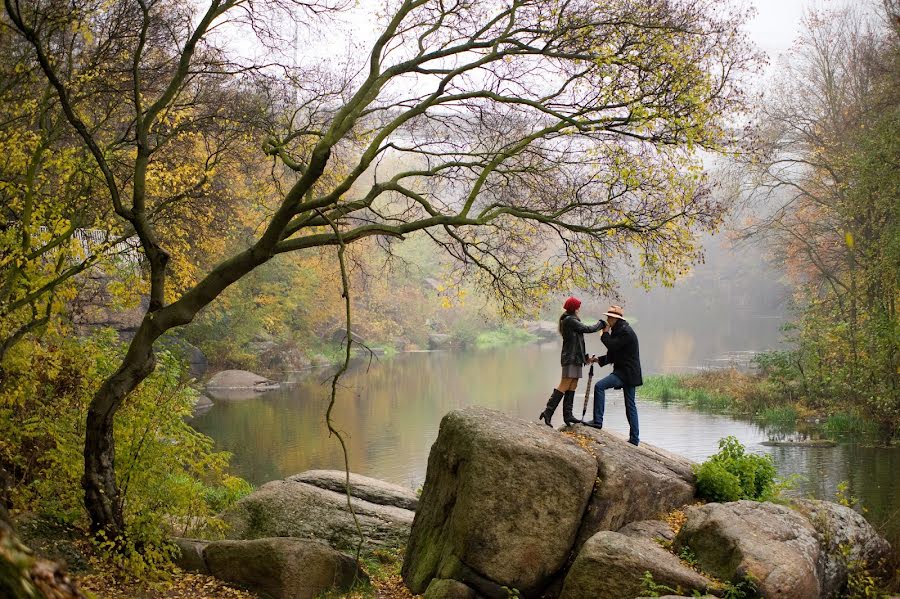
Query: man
{"x":622,"y":352}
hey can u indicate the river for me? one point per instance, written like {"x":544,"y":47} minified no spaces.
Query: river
{"x":390,"y":412}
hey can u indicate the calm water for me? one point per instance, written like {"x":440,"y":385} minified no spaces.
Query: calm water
{"x":390,"y":413}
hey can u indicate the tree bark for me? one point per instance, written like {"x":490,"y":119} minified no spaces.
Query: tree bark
{"x":101,"y":495}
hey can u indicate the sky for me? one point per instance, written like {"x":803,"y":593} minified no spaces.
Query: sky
{"x":776,"y":25}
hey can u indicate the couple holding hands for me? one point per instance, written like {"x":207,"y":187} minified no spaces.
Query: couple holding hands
{"x":621,"y":352}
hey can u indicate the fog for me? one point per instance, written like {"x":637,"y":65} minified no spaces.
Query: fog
{"x":733,"y":302}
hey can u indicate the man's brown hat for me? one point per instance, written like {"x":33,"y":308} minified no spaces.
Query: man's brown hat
{"x":615,"y":312}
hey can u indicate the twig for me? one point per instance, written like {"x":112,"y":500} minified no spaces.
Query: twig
{"x":345,"y":283}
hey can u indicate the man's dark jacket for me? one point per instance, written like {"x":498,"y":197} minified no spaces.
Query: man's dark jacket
{"x":573,"y":330}
{"x":622,"y":352}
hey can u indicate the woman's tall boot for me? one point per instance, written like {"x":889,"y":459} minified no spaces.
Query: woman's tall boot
{"x":547,"y":414}
{"x":568,"y":404}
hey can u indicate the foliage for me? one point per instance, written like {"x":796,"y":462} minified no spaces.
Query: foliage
{"x":843,"y":424}
{"x":506,"y":335}
{"x":602,"y":153}
{"x":651,"y":588}
{"x":172,"y":482}
{"x":688,"y":556}
{"x":782,"y":417}
{"x":733,"y":474}
{"x":715,"y":390}
{"x":825,"y":181}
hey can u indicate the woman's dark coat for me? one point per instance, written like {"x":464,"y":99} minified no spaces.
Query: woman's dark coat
{"x":622,"y":352}
{"x":572,"y":330}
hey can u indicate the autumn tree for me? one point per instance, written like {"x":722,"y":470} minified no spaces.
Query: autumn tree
{"x":45,"y":181}
{"x":822,"y":190}
{"x":548,"y":139}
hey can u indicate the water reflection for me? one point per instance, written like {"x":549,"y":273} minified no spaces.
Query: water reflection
{"x":391,"y":411}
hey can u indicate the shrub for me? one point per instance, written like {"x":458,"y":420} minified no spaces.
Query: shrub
{"x":733,"y":474}
{"x":170,"y":478}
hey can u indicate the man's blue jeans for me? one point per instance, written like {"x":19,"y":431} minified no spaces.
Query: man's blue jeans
{"x":609,"y":382}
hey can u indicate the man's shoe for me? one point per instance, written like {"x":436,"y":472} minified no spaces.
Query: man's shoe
{"x":592,"y":424}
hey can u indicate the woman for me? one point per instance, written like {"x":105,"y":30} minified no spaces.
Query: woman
{"x":573,"y":359}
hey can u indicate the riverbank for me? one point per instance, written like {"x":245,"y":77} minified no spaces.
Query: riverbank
{"x":757,"y":397}
{"x":620,"y":499}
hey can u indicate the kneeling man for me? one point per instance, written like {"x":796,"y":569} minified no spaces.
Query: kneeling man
{"x":622,"y":352}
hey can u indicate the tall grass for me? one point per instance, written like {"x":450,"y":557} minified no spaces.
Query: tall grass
{"x":674,"y":388}
{"x":781,"y":416}
{"x":846,"y":423}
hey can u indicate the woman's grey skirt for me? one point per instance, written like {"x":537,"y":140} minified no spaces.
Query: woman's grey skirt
{"x":571,"y":371}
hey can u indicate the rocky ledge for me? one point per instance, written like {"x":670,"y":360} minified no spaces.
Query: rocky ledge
{"x":509,"y":504}
{"x":515,"y":508}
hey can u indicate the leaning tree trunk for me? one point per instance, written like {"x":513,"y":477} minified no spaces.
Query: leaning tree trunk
{"x":101,"y":494}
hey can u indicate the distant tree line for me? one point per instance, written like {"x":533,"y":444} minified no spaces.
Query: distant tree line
{"x":823,"y":182}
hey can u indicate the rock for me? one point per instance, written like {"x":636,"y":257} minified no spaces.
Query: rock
{"x":261,"y":347}
{"x":95,"y":308}
{"x":633,"y":483}
{"x":202,"y":405}
{"x":545,"y":330}
{"x":774,"y":544}
{"x":237,"y":379}
{"x":339,"y":335}
{"x":801,"y":443}
{"x":294,"y":509}
{"x":842,"y":530}
{"x":190,"y":354}
{"x":363,"y":487}
{"x":501,"y":505}
{"x":612,"y":565}
{"x":231,"y":385}
{"x":197,"y":362}
{"x":282,"y":567}
{"x":283,"y":358}
{"x":320,"y":361}
{"x":190,"y":555}
{"x":444,"y":588}
{"x":653,"y":530}
{"x":439,"y":341}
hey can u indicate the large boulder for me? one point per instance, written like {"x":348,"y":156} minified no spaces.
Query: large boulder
{"x":287,"y":508}
{"x":654,"y":530}
{"x":501,"y":506}
{"x":282,"y":568}
{"x":772,"y":544}
{"x":189,"y":556}
{"x":612,"y":565}
{"x":633,"y":483}
{"x":232,"y":385}
{"x":363,"y":487}
{"x":202,"y":405}
{"x":446,"y":588}
{"x":846,"y":539}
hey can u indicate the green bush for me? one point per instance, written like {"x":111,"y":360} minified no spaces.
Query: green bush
{"x":733,"y":474}
{"x":170,"y":478}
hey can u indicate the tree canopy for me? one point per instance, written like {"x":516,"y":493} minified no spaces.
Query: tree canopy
{"x":537,"y":142}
